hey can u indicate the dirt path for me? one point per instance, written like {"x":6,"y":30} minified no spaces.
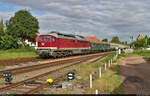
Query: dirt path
{"x":135,"y":74}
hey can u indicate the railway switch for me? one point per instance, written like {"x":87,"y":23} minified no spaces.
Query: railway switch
{"x":7,"y":76}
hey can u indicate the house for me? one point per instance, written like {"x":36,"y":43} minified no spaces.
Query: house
{"x":141,"y":36}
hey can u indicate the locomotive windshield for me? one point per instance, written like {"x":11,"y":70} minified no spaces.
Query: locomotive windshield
{"x":47,"y":38}
{"x":41,"y":38}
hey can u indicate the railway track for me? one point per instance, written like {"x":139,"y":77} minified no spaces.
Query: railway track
{"x":38,"y":82}
{"x":18,"y":61}
{"x":22,"y":70}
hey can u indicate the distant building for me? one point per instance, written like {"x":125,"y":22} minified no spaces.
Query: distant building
{"x":95,"y":39}
{"x":31,"y":44}
{"x":92,"y":38}
{"x":141,"y":36}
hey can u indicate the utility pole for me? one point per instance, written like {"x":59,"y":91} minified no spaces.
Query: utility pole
{"x":131,"y":38}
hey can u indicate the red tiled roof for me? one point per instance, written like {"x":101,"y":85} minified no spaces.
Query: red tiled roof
{"x":95,"y":39}
{"x":92,"y":38}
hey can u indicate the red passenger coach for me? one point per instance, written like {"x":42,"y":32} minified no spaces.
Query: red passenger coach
{"x":58,"y":44}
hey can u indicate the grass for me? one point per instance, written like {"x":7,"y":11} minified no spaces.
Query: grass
{"x":148,"y":59}
{"x":110,"y":81}
{"x":142,"y":52}
{"x":17,"y":53}
{"x":145,"y":53}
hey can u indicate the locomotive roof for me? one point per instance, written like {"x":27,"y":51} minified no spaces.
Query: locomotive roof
{"x":67,"y":36}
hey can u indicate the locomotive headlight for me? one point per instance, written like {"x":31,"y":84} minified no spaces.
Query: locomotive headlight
{"x":42,"y":44}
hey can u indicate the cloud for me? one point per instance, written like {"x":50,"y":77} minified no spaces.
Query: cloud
{"x":101,"y":18}
{"x":5,"y":15}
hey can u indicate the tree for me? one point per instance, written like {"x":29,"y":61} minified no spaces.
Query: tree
{"x":8,"y":42}
{"x":105,"y":40}
{"x":122,"y":42}
{"x":2,"y":28}
{"x":148,"y":41}
{"x":23,"y":25}
{"x":126,"y":42}
{"x":115,"y":40}
{"x":140,"y":43}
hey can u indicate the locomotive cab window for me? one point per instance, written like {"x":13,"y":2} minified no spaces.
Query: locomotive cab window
{"x":41,"y":39}
{"x":47,"y":38}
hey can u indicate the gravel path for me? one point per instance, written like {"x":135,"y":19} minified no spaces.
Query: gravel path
{"x":135,"y":74}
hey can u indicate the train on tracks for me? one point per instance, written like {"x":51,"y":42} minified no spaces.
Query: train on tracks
{"x":58,"y":44}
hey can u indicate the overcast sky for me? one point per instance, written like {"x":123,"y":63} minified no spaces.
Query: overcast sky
{"x":100,"y":18}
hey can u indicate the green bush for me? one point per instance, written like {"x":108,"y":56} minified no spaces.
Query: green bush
{"x":8,"y":42}
{"x":140,"y":43}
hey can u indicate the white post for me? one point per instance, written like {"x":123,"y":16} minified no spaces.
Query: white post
{"x":100,"y":72}
{"x":105,"y":66}
{"x":96,"y":91}
{"x":90,"y":80}
{"x":109,"y":63}
{"x":119,"y":51}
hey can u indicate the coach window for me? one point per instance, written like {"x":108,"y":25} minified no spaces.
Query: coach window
{"x":47,"y":38}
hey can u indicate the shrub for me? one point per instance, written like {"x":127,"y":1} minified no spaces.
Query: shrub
{"x":8,"y":42}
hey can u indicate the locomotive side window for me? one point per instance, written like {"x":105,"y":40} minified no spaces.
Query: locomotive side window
{"x":41,"y":39}
{"x":53,"y":39}
{"x":47,"y":38}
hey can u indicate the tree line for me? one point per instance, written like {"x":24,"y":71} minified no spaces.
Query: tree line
{"x":144,"y":42}
{"x":115,"y":39}
{"x":138,"y":43}
{"x":20,"y":27}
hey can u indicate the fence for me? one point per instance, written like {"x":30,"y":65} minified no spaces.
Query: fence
{"x":101,"y":69}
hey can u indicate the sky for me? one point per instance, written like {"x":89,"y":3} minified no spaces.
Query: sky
{"x":100,"y":18}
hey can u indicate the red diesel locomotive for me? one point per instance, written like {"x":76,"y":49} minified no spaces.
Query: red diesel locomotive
{"x":56,"y":44}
